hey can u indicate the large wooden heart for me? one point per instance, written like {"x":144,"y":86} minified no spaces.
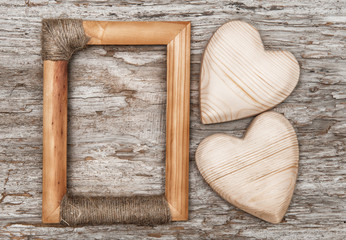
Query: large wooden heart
{"x":257,"y":173}
{"x":239,"y":78}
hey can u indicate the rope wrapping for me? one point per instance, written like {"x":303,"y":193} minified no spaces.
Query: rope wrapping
{"x":140,"y":210}
{"x":61,"y":38}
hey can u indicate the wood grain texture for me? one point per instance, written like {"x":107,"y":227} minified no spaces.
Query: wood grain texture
{"x":117,"y":100}
{"x":132,"y":33}
{"x":239,"y":78}
{"x":256,"y":173}
{"x":178,"y":124}
{"x":54,"y":139}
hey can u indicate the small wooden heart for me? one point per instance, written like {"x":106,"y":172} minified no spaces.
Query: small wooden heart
{"x":239,"y":78}
{"x":257,"y":173}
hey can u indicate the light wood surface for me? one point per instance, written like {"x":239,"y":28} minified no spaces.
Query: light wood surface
{"x":257,"y":173}
{"x":239,"y":78}
{"x":117,"y":124}
{"x":178,"y":124}
{"x":177,"y":37}
{"x":54,"y":139}
{"x":132,"y":33}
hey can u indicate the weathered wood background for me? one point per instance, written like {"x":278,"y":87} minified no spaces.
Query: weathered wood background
{"x":117,"y":117}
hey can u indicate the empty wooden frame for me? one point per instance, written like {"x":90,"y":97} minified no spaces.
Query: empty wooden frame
{"x":176,"y":35}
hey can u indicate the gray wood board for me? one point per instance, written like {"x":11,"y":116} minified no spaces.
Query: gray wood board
{"x":116,"y":141}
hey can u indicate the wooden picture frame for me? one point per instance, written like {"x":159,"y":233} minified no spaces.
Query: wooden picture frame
{"x":176,"y":35}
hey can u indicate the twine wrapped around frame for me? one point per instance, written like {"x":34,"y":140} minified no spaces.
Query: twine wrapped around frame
{"x":61,"y":38}
{"x":140,"y":210}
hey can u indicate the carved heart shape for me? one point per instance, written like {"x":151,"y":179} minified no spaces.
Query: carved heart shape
{"x":239,"y":78}
{"x":257,"y":173}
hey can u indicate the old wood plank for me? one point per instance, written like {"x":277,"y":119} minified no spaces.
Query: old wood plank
{"x":117,"y":117}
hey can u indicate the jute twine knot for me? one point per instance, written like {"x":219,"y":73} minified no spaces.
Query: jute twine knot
{"x":140,"y":210}
{"x":61,"y":38}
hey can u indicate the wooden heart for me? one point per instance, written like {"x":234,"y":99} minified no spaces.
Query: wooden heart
{"x":257,"y":173}
{"x":239,"y":78}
